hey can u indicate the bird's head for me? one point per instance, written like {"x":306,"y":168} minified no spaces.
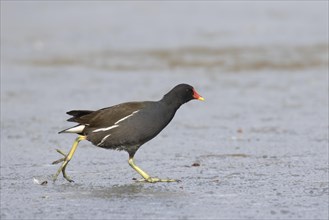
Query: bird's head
{"x":181,"y":94}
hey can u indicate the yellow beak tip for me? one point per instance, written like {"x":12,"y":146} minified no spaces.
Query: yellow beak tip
{"x":201,"y":98}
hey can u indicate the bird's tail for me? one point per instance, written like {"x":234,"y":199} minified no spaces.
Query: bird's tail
{"x":77,"y":114}
{"x":78,"y":129}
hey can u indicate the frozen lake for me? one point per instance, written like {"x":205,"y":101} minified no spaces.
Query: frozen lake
{"x":261,"y":136}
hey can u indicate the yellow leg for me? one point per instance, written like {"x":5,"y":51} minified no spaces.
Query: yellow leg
{"x":147,"y":177}
{"x":67,"y":159}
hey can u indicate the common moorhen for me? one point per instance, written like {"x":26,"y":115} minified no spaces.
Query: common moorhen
{"x":126,"y":126}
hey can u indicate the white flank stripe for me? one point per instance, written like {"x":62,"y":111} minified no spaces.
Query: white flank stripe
{"x":104,"y":138}
{"x":105,"y":129}
{"x":116,"y":123}
{"x":77,"y":129}
{"x":128,"y":116}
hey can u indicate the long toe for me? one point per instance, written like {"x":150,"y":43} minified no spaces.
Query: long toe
{"x":65,"y":175}
{"x":58,"y":161}
{"x":69,"y":179}
{"x":61,"y":152}
{"x":156,"y":180}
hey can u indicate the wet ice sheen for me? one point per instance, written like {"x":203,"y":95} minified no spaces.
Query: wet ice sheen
{"x":260,"y":139}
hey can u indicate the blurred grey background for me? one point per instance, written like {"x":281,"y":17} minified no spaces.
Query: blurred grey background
{"x":261,"y":136}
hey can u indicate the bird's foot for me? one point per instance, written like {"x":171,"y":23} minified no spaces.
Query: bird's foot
{"x":156,"y":180}
{"x":66,"y":159}
{"x":67,"y":177}
{"x":63,"y":167}
{"x":60,"y":160}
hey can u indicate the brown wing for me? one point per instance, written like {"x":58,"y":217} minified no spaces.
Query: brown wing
{"x":106,"y":116}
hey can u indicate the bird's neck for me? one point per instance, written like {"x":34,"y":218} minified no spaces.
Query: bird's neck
{"x":170,"y":102}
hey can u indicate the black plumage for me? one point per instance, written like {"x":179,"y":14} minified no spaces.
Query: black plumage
{"x":128,"y":126}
